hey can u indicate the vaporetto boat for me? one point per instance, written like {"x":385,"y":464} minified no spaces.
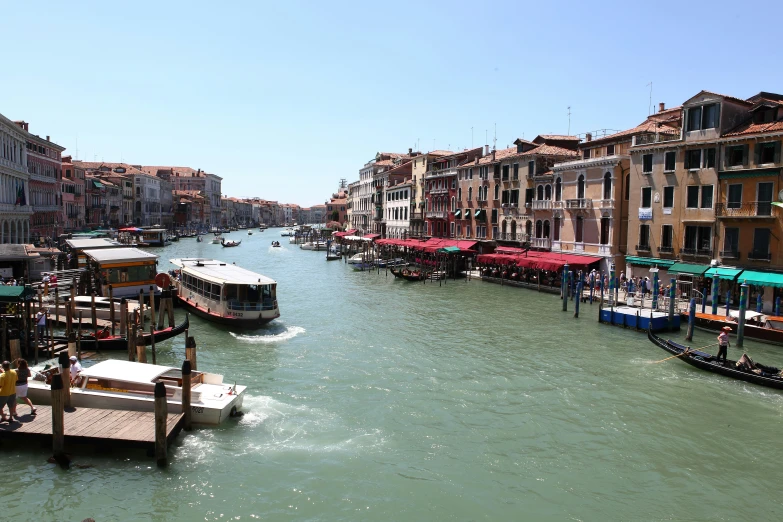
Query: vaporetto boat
{"x":225,"y":293}
{"x":126,"y":385}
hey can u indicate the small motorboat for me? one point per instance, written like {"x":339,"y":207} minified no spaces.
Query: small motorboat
{"x":230,"y":243}
{"x":276,"y":244}
{"x":249,"y":232}
{"x":358,"y":258}
{"x":331,"y":256}
{"x":217,"y":240}
{"x":130,"y":386}
{"x":198,"y":239}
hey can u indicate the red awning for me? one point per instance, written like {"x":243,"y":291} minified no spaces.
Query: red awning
{"x":346,"y":233}
{"x":371,"y":236}
{"x":509,"y":250}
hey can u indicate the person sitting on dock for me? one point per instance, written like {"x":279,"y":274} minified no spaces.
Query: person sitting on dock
{"x":76,"y":367}
{"x":723,"y":343}
{"x":7,"y":392}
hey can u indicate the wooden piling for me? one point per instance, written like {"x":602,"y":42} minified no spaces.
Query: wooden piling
{"x":72,"y":302}
{"x":152,"y":305}
{"x":162,"y":311}
{"x":170,"y":308}
{"x":123,"y":317}
{"x":65,"y":371}
{"x":14,"y":348}
{"x":152,"y":342}
{"x":58,"y":421}
{"x":141,"y":307}
{"x":186,"y":383}
{"x":79,"y":339}
{"x":51,"y":339}
{"x":190,"y":352}
{"x":56,"y":306}
{"x":71,"y":344}
{"x":111,"y":308}
{"x":141,"y":349}
{"x":132,"y":339}
{"x":161,"y":416}
{"x":93,"y":315}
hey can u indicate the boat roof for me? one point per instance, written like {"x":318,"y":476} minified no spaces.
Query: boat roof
{"x":127,"y":371}
{"x":222,"y":273}
{"x":117,"y":255}
{"x":153,"y":230}
{"x":749,"y":314}
{"x":81,"y":244}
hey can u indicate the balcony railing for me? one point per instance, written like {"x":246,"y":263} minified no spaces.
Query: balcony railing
{"x":542,"y":204}
{"x":605,"y":203}
{"x":540,"y":242}
{"x":417,"y":216}
{"x":439,"y":191}
{"x":513,"y":236}
{"x":729,"y":254}
{"x":579,"y":204}
{"x":666,"y":250}
{"x":643,"y":248}
{"x":436,"y":214}
{"x":755,"y":255}
{"x":761,"y":209}
{"x":697,"y":252}
{"x":647,"y":139}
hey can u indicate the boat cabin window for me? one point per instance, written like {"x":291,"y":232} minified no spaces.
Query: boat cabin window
{"x":250,"y":297}
{"x":201,"y":287}
{"x":130,"y":274}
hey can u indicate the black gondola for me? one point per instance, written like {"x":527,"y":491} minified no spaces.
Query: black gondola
{"x":766,"y":376}
{"x":118,"y":342}
{"x":407,"y":274}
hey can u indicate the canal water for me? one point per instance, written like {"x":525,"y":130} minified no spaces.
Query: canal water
{"x":378,"y":399}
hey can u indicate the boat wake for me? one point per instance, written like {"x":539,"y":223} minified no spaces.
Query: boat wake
{"x":286,"y":335}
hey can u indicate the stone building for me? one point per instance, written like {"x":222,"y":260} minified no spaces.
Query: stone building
{"x":15,"y":209}
{"x":44,"y":164}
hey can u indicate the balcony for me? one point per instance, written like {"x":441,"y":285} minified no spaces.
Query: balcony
{"x":449,"y":171}
{"x":643,"y":248}
{"x":579,"y":204}
{"x":417,"y":216}
{"x":661,"y":137}
{"x":439,"y":191}
{"x":755,"y":209}
{"x":540,"y":242}
{"x":513,"y":236}
{"x":436,"y":214}
{"x":729,"y":254}
{"x":755,"y":255}
{"x":696,"y":252}
{"x":606,"y":204}
{"x":665,"y":250}
{"x":542,"y":204}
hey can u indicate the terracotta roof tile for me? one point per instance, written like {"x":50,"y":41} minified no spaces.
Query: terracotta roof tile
{"x":551,"y":150}
{"x":755,"y":128}
{"x":559,"y":137}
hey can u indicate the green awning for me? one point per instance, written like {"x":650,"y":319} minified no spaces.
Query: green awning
{"x":458,"y":213}
{"x":14,"y":294}
{"x":449,"y":250}
{"x":729,"y":274}
{"x":752,"y":277}
{"x":97,"y":184}
{"x":688,"y":269}
{"x":648,"y":261}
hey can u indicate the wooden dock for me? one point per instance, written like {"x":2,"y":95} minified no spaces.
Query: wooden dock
{"x":92,"y":426}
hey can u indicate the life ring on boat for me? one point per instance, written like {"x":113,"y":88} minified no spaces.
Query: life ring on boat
{"x":163,"y":280}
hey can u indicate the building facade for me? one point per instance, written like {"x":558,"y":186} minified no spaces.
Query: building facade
{"x":15,"y":209}
{"x":44,"y":164}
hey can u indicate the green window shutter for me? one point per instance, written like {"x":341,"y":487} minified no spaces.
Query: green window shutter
{"x":777,"y":152}
{"x":745,"y":155}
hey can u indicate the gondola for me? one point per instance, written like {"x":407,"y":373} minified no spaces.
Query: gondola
{"x":745,"y":371}
{"x":228,"y":244}
{"x":408,"y":275}
{"x":119,"y":342}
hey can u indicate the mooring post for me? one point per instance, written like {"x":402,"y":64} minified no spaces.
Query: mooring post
{"x":141,"y":307}
{"x":190,"y":352}
{"x":161,"y":417}
{"x":132,"y":339}
{"x":65,"y":371}
{"x":611,"y":285}
{"x":111,"y":309}
{"x":71,"y":344}
{"x":743,"y":306}
{"x":564,"y":288}
{"x":141,"y":348}
{"x":72,"y":302}
{"x":170,"y":308}
{"x":15,"y":349}
{"x":56,"y":306}
{"x":655,"y":291}
{"x":152,"y":305}
{"x":79,"y":339}
{"x":715,"y":293}
{"x":152,"y":342}
{"x":672,"y":290}
{"x":691,"y":319}
{"x":728,"y":301}
{"x":579,"y":296}
{"x":162,"y":312}
{"x":58,"y":421}
{"x":93,"y":315}
{"x":186,"y":371}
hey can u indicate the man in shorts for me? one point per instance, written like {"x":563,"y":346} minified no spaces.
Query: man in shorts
{"x":7,"y":392}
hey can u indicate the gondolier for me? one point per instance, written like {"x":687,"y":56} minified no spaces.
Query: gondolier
{"x":723,"y":343}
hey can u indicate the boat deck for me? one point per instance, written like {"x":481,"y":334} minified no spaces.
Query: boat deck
{"x":92,"y":426}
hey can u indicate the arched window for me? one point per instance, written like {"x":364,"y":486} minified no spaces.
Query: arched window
{"x":604,"y":230}
{"x":497,"y":190}
{"x":429,"y":205}
{"x":546,"y":228}
{"x":513,"y":229}
{"x":558,"y":189}
{"x":607,"y":186}
{"x":556,"y":231}
{"x":627,"y":186}
{"x":453,"y":203}
{"x":580,"y":187}
{"x":579,"y":229}
{"x":539,"y":228}
{"x":528,"y":227}
{"x":540,"y":193}
{"x":548,"y":192}
{"x":504,"y":227}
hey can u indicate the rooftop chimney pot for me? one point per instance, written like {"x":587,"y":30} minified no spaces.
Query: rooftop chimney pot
{"x":589,"y":136}
{"x":486,"y":150}
{"x":661,"y":107}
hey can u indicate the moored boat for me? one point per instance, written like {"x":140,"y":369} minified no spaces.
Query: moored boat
{"x":126,"y":385}
{"x":759,"y":327}
{"x":225,"y":293}
{"x":408,"y":274}
{"x":744,"y":369}
{"x":106,"y":341}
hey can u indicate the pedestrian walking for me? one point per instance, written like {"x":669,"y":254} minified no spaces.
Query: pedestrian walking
{"x":7,"y":392}
{"x":23,"y":373}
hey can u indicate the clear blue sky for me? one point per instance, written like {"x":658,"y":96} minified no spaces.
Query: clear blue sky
{"x":283,"y":99}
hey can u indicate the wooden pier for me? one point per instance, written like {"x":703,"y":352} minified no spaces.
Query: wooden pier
{"x":92,"y":426}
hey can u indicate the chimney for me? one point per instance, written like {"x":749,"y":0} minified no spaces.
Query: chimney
{"x":661,"y":107}
{"x":589,"y":136}
{"x":486,"y":150}
{"x":47,"y":138}
{"x":493,"y":155}
{"x":410,"y":151}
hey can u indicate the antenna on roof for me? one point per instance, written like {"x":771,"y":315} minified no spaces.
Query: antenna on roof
{"x":471,"y":137}
{"x":649,"y":105}
{"x":569,"y":122}
{"x":495,"y":139}
{"x":77,"y":146}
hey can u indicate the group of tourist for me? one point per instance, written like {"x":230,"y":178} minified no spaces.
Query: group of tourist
{"x":13,"y":386}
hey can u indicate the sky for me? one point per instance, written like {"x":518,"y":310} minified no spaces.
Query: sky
{"x":284,"y":99}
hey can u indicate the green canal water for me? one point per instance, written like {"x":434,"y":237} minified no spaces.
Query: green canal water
{"x":377,"y":399}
